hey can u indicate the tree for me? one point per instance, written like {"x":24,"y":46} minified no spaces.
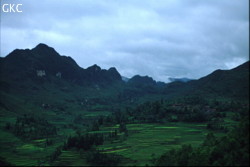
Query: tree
{"x":95,"y":126}
{"x":56,"y":154}
{"x":122,"y":127}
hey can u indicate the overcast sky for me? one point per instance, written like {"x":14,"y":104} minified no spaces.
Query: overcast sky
{"x":158,"y":38}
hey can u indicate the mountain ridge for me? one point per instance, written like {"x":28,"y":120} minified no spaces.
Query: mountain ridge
{"x":43,"y":63}
{"x":27,"y":63}
{"x":233,"y":83}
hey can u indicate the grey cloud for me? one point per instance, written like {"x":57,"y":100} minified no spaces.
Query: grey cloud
{"x":163,"y":38}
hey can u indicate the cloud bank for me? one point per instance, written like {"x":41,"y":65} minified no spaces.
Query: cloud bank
{"x":162,"y":39}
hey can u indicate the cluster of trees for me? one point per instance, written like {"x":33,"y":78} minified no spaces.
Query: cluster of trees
{"x":159,"y":112}
{"x":78,"y":119}
{"x":217,"y":124}
{"x":114,"y":118}
{"x":230,"y":150}
{"x":85,"y":142}
{"x":30,"y":127}
{"x":188,"y":109}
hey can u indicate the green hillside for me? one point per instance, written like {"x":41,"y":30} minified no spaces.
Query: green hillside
{"x":55,"y":113}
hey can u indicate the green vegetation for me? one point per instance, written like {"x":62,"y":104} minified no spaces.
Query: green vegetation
{"x":89,"y":117}
{"x":229,"y":150}
{"x":127,"y":136}
{"x":29,"y":127}
{"x":150,"y":130}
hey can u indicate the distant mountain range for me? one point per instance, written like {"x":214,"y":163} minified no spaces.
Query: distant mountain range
{"x":43,"y":64}
{"x":125,"y":79}
{"x":179,"y":79}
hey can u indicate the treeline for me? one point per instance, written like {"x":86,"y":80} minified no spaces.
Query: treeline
{"x":85,"y":142}
{"x":160,"y":112}
{"x":30,"y":127}
{"x":188,"y":109}
{"x":230,"y":150}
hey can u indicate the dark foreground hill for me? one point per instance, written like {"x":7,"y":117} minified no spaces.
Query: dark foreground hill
{"x":232,"y":83}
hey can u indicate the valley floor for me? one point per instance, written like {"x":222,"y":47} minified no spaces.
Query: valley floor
{"x":144,"y":143}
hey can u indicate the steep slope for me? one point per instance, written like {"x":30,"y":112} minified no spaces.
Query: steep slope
{"x":232,"y":83}
{"x":43,"y":62}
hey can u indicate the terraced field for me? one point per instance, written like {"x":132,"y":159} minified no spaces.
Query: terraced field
{"x":143,"y":143}
{"x":147,"y":141}
{"x":71,"y":158}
